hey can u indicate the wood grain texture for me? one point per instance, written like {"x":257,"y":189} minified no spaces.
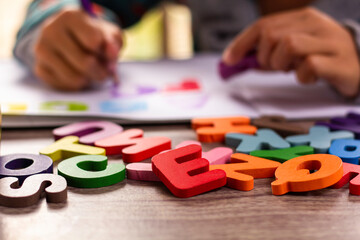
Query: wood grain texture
{"x":147,"y":210}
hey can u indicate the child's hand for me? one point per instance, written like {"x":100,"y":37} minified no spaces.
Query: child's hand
{"x":74,"y":49}
{"x":307,"y":41}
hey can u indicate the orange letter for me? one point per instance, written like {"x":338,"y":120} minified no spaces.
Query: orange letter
{"x":214,"y":129}
{"x":294,"y":175}
{"x":244,"y":168}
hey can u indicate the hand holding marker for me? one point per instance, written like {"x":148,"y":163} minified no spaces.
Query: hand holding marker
{"x":86,"y":6}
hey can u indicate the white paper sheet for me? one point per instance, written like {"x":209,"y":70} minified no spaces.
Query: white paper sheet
{"x":145,"y":94}
{"x":281,"y":94}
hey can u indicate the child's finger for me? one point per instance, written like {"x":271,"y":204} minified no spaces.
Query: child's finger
{"x":295,"y":46}
{"x":314,"y":67}
{"x":63,"y":72}
{"x":265,"y":34}
{"x":275,"y":35}
{"x":267,"y":43}
{"x":47,"y":76}
{"x":305,"y":73}
{"x":112,"y":50}
{"x":51,"y":79}
{"x":113,"y":43}
{"x":61,"y":43}
{"x":243,"y":43}
{"x":336,"y":72}
{"x":86,"y":30}
{"x":85,"y":63}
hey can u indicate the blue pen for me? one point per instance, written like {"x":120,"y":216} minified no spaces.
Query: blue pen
{"x":87,"y":7}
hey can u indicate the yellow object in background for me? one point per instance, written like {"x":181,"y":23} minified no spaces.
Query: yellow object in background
{"x":14,"y":108}
{"x":12,"y":15}
{"x":144,"y":41}
{"x":163,"y":32}
{"x":17,"y":107}
{"x":178,"y":31}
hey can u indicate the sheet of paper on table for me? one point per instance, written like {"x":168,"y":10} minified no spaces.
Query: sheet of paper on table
{"x":165,"y":91}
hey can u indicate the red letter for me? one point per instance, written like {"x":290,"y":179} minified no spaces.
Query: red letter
{"x":351,"y":174}
{"x":133,"y":146}
{"x":185,"y":174}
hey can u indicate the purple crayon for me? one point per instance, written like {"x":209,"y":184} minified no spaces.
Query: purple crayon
{"x":248,"y":62}
{"x":86,"y":6}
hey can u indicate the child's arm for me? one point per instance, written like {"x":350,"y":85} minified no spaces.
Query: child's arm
{"x":65,"y":47}
{"x":74,"y":49}
{"x":306,"y":41}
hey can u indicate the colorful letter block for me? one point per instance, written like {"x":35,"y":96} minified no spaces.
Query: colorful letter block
{"x":218,"y":155}
{"x":294,"y":175}
{"x":279,"y":124}
{"x":185,"y":174}
{"x":242,"y":170}
{"x":351,"y":174}
{"x":31,"y":190}
{"x":347,"y":149}
{"x":349,"y":123}
{"x":88,"y":132}
{"x":68,"y":147}
{"x":24,"y":165}
{"x":132,"y":145}
{"x":282,"y":155}
{"x":143,"y":171}
{"x":264,"y":139}
{"x":214,"y":129}
{"x":91,"y":171}
{"x":319,"y":138}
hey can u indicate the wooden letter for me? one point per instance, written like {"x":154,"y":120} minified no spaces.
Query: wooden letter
{"x":24,"y":165}
{"x":279,"y":124}
{"x":218,"y":155}
{"x":88,"y":132}
{"x":319,"y":138}
{"x":30,"y":192}
{"x":282,"y":155}
{"x":349,"y":123}
{"x":133,"y":146}
{"x":143,"y":171}
{"x":347,"y":149}
{"x":91,"y":171}
{"x":244,"y":168}
{"x":68,"y":147}
{"x":264,"y":139}
{"x":214,"y":129}
{"x":185,"y":174}
{"x":351,"y":174}
{"x":294,"y":175}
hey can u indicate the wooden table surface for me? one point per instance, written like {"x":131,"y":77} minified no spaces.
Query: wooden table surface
{"x":147,"y":210}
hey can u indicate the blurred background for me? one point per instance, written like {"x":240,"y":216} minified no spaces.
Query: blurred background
{"x":163,"y":32}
